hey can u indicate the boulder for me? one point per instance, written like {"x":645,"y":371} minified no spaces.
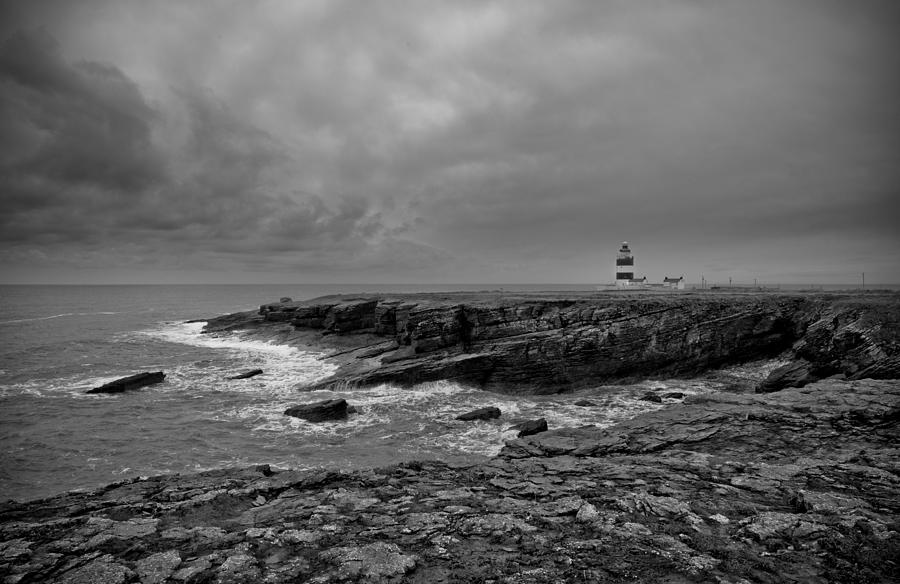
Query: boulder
{"x":480,"y":414}
{"x":530,"y":427}
{"x":795,"y":374}
{"x":136,"y":381}
{"x":248,"y":374}
{"x":651,"y":397}
{"x":323,"y":411}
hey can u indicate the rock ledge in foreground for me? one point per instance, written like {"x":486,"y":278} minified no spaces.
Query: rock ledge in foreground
{"x":795,"y":486}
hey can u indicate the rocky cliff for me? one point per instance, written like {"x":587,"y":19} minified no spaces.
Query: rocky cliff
{"x":530,"y":343}
{"x":802,"y":485}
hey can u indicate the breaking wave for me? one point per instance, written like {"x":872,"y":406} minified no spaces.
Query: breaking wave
{"x":63,"y":315}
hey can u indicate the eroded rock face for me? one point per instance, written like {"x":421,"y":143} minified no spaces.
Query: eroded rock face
{"x":797,"y":485}
{"x":795,"y":374}
{"x":858,"y":338}
{"x":538,"y":343}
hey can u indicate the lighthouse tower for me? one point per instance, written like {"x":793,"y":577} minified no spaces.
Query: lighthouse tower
{"x":624,"y":266}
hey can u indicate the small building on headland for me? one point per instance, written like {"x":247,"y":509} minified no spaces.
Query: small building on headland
{"x":676,"y":283}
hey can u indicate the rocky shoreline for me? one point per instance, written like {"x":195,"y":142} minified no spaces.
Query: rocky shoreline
{"x":798,"y":484}
{"x":801,"y":485}
{"x":531,"y":343}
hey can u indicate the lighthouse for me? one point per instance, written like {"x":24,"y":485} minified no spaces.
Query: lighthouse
{"x":624,"y":266}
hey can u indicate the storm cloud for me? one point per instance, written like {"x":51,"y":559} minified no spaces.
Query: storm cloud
{"x":451,"y":141}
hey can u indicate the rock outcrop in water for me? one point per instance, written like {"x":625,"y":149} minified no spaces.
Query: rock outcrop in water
{"x":131,"y":382}
{"x":532,"y":343}
{"x":323,"y":411}
{"x":247,"y":374}
{"x":801,"y":485}
{"x":488,"y":413}
{"x":530,"y":427}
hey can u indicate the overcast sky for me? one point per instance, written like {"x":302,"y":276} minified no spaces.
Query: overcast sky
{"x":415,"y":141}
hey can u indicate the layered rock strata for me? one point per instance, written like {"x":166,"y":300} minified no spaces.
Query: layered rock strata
{"x":530,"y":343}
{"x":800,"y":485}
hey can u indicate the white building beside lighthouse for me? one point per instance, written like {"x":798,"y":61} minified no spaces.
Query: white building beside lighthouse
{"x":625,"y":274}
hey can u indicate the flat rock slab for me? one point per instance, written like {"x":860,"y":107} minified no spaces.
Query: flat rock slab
{"x":480,"y":414}
{"x":136,"y":381}
{"x":323,"y":411}
{"x":375,"y":560}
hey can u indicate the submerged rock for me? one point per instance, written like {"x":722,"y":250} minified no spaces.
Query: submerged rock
{"x":673,"y":395}
{"x":248,"y":374}
{"x":136,"y":381}
{"x":480,"y":414}
{"x":530,"y":427}
{"x":651,"y":397}
{"x":323,"y":411}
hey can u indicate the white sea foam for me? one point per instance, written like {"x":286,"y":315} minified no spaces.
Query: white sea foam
{"x":755,"y":370}
{"x":63,"y":315}
{"x":68,"y":386}
{"x":284,"y":367}
{"x":422,"y":419}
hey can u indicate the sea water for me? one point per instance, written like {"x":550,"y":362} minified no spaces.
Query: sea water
{"x":59,"y":341}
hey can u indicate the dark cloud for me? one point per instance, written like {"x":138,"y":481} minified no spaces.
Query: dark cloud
{"x":456,"y":140}
{"x":96,"y":167}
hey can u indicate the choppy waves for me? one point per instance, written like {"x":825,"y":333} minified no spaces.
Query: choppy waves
{"x":51,"y":317}
{"x":198,"y":419}
{"x":284,"y":367}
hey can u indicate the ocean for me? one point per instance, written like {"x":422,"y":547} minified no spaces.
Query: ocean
{"x":56,"y":342}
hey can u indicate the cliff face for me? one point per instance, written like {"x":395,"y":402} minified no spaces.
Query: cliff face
{"x":541,"y":343}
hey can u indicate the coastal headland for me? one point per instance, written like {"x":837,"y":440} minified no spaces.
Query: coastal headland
{"x":792,"y":480}
{"x":551,"y":342}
